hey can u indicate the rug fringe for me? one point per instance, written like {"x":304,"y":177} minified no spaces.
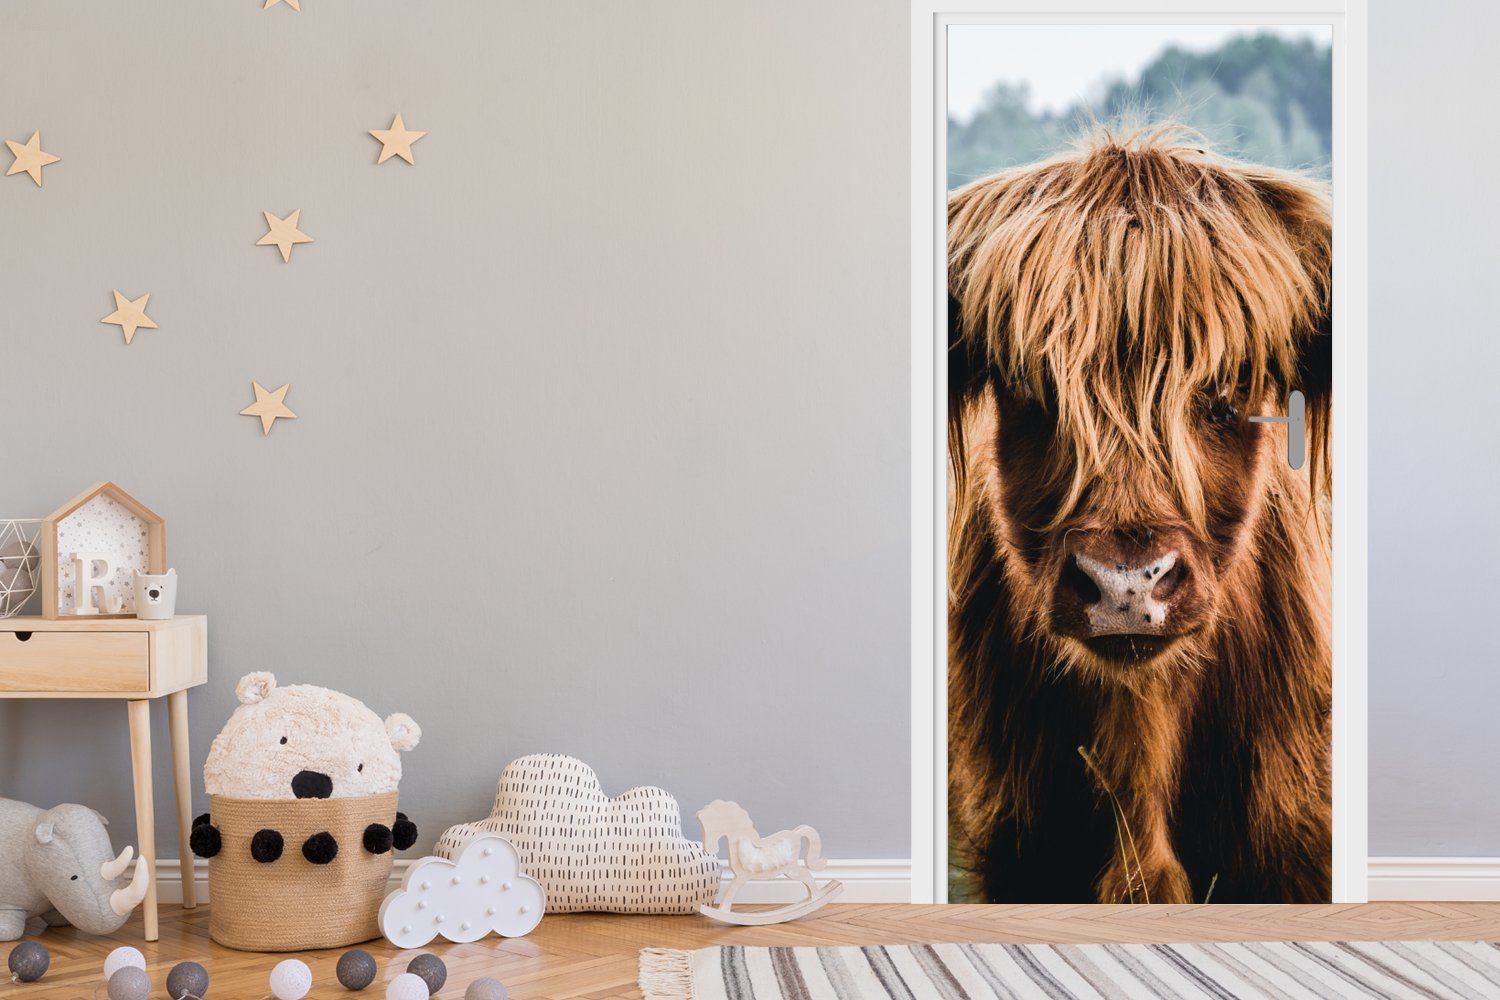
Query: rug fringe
{"x":666,"y":974}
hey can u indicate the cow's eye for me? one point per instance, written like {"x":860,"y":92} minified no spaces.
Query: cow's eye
{"x":73,"y":879}
{"x":360,"y":769}
{"x":1222,"y":411}
{"x":283,"y":741}
{"x":1020,"y":394}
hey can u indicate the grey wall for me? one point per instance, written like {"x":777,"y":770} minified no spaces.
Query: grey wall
{"x":602,"y":436}
{"x":1434,"y":542}
{"x":603,"y":433}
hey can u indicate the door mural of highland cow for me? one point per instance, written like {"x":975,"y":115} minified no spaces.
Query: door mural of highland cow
{"x":1139,"y":626}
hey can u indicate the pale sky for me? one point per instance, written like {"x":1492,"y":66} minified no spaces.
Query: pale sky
{"x":1063,"y":63}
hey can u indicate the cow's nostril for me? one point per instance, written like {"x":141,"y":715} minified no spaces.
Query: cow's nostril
{"x":1169,"y":582}
{"x":311,"y":785}
{"x":1078,"y":583}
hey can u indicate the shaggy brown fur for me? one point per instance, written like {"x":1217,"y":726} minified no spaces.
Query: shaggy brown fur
{"x":1117,"y":314}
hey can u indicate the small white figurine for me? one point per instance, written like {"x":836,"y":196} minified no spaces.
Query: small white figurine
{"x":756,"y":858}
{"x":155,"y":595}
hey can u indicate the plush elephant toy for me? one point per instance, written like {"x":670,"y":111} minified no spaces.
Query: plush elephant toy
{"x":57,"y":864}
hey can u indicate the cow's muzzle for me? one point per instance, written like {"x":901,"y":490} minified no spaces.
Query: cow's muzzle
{"x":1123,"y":599}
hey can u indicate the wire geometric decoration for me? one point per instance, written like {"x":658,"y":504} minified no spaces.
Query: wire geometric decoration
{"x":20,"y":563}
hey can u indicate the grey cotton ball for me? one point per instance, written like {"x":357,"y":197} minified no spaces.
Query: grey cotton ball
{"x":129,"y":983}
{"x":431,"y":970}
{"x":28,"y":961}
{"x":18,"y":566}
{"x":356,"y":969}
{"x":21,"y":554}
{"x":187,"y":979}
{"x":488,"y":988}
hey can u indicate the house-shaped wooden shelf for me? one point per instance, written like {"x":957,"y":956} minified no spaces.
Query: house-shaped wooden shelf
{"x":107,"y":521}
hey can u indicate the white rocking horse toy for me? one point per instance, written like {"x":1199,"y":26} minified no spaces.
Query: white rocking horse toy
{"x":756,"y":858}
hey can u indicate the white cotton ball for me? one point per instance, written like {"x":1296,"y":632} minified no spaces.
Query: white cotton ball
{"x":290,"y":980}
{"x":407,"y":987}
{"x":123,"y":957}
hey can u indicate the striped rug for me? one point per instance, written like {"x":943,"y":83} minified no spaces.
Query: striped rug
{"x":1279,"y":970}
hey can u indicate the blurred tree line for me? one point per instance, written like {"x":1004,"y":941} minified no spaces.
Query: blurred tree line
{"x":1257,"y":97}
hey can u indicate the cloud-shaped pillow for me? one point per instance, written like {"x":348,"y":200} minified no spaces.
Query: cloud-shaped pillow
{"x":590,"y":852}
{"x":482,"y":892}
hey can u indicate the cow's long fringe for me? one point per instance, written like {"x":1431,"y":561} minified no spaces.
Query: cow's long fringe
{"x":1143,"y":252}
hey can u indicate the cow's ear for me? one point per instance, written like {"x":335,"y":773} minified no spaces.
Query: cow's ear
{"x":1312,"y":228}
{"x":1302,"y":208}
{"x":44,"y":832}
{"x":966,"y":369}
{"x":1315,"y":378}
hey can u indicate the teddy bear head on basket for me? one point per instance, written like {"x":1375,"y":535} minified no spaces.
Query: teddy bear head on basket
{"x":302,"y":783}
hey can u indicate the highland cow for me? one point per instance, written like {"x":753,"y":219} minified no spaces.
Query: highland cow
{"x":1139,"y":583}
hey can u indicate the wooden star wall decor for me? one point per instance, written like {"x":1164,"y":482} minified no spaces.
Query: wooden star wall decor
{"x":283,"y":234}
{"x":294,"y":4}
{"x":396,"y":141}
{"x":30,"y":158}
{"x":130,"y":315}
{"x":268,"y":406}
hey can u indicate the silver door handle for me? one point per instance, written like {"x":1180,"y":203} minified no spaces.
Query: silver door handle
{"x":1296,"y":427}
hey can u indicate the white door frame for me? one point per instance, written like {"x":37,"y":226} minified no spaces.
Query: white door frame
{"x":929,"y":658}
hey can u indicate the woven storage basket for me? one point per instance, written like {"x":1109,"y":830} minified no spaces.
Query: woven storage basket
{"x":292,"y":904}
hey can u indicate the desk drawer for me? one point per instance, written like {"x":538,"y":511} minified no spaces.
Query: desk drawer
{"x":74,"y":661}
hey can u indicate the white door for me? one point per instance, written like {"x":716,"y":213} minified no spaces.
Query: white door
{"x":1138,"y":453}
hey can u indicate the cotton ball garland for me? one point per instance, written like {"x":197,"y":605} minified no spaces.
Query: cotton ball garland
{"x":129,"y":983}
{"x":290,"y":980}
{"x":407,"y":987}
{"x":28,"y":962}
{"x":187,"y":979}
{"x":431,"y":969}
{"x":356,"y":969}
{"x":123,"y":957}
{"x":486,"y":988}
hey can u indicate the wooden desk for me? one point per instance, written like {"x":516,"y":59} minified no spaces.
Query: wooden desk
{"x":134,"y":661}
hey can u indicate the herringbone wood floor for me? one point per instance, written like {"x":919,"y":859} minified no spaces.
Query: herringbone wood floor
{"x":594,"y":956}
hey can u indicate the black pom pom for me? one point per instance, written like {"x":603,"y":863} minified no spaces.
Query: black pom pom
{"x":377,"y":838}
{"x":201,"y":820}
{"x":403,"y":833}
{"x":401,"y":815}
{"x":320,"y":848}
{"x":266,"y":846}
{"x":204,"y":840}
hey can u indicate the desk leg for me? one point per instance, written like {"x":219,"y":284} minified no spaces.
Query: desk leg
{"x":145,"y":816}
{"x":182,"y":779}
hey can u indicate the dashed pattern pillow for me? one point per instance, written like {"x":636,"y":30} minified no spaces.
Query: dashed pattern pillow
{"x":625,"y":854}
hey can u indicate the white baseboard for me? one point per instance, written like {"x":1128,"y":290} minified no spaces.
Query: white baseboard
{"x":880,"y":880}
{"x":888,"y":880}
{"x":1450,"y":880}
